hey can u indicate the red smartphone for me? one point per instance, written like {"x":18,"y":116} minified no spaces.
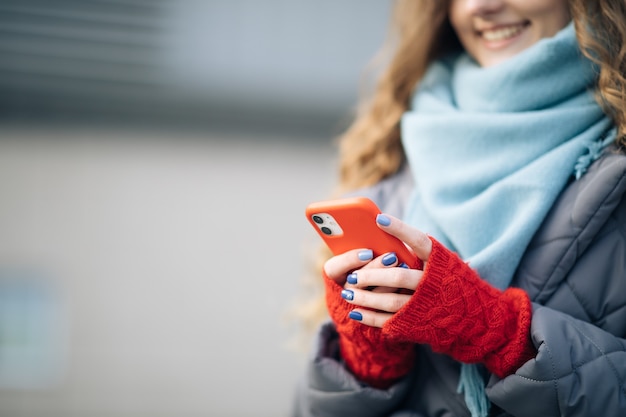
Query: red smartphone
{"x":350,"y":223}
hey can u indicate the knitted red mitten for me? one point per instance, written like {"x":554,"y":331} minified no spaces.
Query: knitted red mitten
{"x":457,"y":313}
{"x":366,"y":352}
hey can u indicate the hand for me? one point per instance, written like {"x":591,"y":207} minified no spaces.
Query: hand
{"x":392,"y":284}
{"x":367,"y":353}
{"x":453,"y":309}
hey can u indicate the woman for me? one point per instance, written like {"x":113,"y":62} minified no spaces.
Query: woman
{"x":485,"y":138}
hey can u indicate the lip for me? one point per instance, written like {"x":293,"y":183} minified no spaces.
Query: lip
{"x":501,"y":35}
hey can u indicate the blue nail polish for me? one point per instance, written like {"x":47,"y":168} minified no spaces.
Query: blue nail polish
{"x":389,"y":259}
{"x":352,"y":278}
{"x":347,"y":295}
{"x":355,"y":315}
{"x":404,"y":265}
{"x":383,"y":220}
{"x":366,"y":255}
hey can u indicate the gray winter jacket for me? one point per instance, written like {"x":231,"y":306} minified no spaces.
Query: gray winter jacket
{"x":574,"y":271}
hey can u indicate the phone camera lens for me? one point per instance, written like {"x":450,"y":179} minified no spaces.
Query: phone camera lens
{"x":318,"y":220}
{"x":327,"y":231}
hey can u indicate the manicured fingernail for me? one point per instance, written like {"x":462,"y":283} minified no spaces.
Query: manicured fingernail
{"x":383,"y":220}
{"x":389,"y":259}
{"x":352,"y":278}
{"x":366,"y":255}
{"x":404,"y":265}
{"x":347,"y":295}
{"x":355,"y":315}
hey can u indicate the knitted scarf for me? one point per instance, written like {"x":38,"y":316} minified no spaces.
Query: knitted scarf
{"x":491,"y":149}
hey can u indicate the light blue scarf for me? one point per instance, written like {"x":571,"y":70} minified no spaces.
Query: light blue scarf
{"x":491,"y":149}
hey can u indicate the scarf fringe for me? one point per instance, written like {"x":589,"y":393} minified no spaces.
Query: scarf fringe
{"x":595,"y":150}
{"x":472,"y":386}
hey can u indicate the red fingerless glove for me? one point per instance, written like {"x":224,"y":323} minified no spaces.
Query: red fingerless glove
{"x":459,"y":314}
{"x":366,"y":352}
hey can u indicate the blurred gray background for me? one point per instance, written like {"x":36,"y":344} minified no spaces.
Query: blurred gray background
{"x":155,"y":160}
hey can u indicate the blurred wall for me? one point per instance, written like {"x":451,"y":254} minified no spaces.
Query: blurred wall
{"x":147,"y":275}
{"x":212,"y":62}
{"x":155,"y":160}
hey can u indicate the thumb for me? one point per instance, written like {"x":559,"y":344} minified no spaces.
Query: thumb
{"x":414,"y":238}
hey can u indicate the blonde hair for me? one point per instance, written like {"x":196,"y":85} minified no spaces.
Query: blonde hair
{"x":370,"y":150}
{"x":601,"y":31}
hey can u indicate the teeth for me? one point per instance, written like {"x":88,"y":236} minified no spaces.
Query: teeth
{"x":502,"y":33}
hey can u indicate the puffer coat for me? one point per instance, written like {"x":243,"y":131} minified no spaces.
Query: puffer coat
{"x":574,"y":270}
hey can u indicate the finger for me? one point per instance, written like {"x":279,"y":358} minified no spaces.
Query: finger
{"x":386,"y":260}
{"x":395,"y":278}
{"x":386,"y":302}
{"x":370,"y":318}
{"x":337,"y":267}
{"x":414,"y":238}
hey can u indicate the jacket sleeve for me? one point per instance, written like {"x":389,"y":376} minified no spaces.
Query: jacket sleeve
{"x":329,"y":389}
{"x":584,"y":377}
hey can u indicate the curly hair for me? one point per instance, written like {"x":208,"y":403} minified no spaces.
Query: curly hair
{"x":370,"y":149}
{"x":601,"y":32}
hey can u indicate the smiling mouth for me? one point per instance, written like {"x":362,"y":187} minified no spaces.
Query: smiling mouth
{"x":503,"y":33}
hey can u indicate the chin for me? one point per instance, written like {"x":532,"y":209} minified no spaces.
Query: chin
{"x":492,"y":59}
